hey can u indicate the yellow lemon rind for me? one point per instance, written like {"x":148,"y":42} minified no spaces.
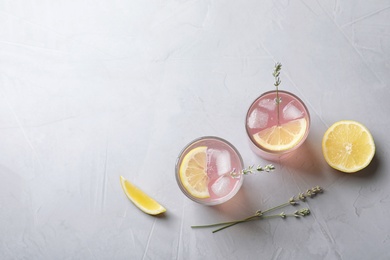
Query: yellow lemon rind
{"x":140,"y":199}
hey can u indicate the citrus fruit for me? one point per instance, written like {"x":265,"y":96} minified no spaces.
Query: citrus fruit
{"x":193,"y":172}
{"x":282,"y":137}
{"x":348,"y":146}
{"x":140,"y":198}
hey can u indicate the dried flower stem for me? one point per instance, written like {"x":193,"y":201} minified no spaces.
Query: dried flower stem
{"x":251,"y":169}
{"x":297,"y":214}
{"x":276,"y":74}
{"x":260,"y":214}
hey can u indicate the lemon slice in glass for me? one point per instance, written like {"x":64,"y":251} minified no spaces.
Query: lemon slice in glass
{"x":193,"y":172}
{"x":282,"y":137}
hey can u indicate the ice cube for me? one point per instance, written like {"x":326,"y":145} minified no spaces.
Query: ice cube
{"x":211,"y":162}
{"x":258,"y":119}
{"x":218,"y":162}
{"x":268,"y":104}
{"x":290,"y":111}
{"x":223,"y":162}
{"x":221,"y":186}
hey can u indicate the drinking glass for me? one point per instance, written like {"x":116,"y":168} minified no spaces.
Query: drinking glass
{"x":210,"y":169}
{"x":277,"y":123}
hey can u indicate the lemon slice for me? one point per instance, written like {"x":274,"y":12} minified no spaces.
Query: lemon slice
{"x":140,"y":198}
{"x":348,"y":146}
{"x":282,"y":137}
{"x":193,"y":172}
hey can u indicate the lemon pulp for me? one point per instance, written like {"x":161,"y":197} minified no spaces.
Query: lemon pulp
{"x":348,"y":146}
{"x":143,"y":201}
{"x":193,"y":172}
{"x":282,"y":137}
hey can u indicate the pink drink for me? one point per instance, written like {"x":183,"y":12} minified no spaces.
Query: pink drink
{"x":263,"y":114}
{"x":222,"y":159}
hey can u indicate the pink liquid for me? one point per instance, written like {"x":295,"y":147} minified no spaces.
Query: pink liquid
{"x":263,"y":114}
{"x":222,"y":159}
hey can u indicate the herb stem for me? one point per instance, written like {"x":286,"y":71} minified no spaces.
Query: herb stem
{"x":251,"y":170}
{"x":297,"y":214}
{"x":238,"y":222}
{"x":278,"y":105}
{"x":276,"y":74}
{"x":260,"y":214}
{"x":229,"y":222}
{"x":277,"y":207}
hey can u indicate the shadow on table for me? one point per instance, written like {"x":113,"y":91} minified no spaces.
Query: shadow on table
{"x":309,"y":163}
{"x":371,"y":171}
{"x":235,"y":205}
{"x":308,"y":159}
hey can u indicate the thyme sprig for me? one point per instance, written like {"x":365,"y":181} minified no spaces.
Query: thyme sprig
{"x":276,"y":74}
{"x":251,"y":170}
{"x":261,"y":214}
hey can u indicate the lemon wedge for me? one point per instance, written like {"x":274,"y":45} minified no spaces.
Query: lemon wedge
{"x":140,"y":198}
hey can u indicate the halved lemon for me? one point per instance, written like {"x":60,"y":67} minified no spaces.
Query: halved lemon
{"x":193,"y":172}
{"x":348,"y":146}
{"x":140,"y":198}
{"x":282,"y":137}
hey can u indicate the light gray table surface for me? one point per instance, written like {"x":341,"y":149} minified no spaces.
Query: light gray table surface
{"x":91,"y":90}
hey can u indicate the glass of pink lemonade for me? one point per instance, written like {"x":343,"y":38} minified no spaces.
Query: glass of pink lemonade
{"x":203,"y":170}
{"x":275,"y":130}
